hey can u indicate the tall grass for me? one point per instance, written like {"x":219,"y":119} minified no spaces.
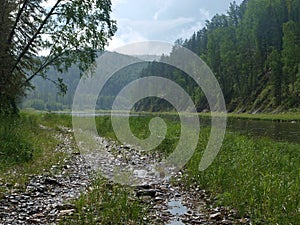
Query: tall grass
{"x":15,"y":143}
{"x":27,"y":148}
{"x":257,"y":176}
{"x":107,"y":203}
{"x":279,"y":117}
{"x":140,"y":128}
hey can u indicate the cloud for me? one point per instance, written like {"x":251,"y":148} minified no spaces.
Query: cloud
{"x":146,"y":48}
{"x":48,"y":3}
{"x":125,"y":38}
{"x":205,"y":14}
{"x":117,"y":2}
{"x":160,"y":26}
{"x":163,"y":6}
{"x":162,"y":20}
{"x":141,"y":30}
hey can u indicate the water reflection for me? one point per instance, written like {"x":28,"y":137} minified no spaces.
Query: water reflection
{"x":280,"y":131}
{"x":85,"y":114}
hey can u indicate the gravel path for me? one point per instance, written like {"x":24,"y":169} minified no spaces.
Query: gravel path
{"x":46,"y":197}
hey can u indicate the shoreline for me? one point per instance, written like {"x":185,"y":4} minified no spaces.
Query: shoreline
{"x":275,"y":117}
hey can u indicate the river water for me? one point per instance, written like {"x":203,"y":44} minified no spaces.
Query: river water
{"x":279,"y":131}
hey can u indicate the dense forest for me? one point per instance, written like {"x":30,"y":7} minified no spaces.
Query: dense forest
{"x":253,"y":50}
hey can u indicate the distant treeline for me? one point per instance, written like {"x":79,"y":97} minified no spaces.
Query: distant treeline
{"x":46,"y":95}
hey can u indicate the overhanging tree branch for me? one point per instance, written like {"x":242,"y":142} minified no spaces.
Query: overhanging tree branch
{"x":24,"y":51}
{"x":25,"y":27}
{"x":17,"y":21}
{"x":43,"y":66}
{"x":47,"y":62}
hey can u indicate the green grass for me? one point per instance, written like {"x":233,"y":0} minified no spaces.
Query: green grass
{"x":280,"y":117}
{"x":16,"y":146}
{"x":26,"y":148}
{"x":107,"y":203}
{"x":140,"y":128}
{"x":257,"y":176}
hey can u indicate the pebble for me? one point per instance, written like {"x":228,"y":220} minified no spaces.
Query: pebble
{"x":45,"y":198}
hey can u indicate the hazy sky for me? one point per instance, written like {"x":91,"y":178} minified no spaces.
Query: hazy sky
{"x":162,"y":20}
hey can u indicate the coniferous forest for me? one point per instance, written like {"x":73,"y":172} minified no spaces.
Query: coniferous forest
{"x":253,"y":50}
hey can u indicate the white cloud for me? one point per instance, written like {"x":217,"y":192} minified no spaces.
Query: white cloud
{"x":117,"y":2}
{"x":146,"y":48}
{"x":186,"y":32}
{"x":160,"y":26}
{"x":161,"y":20}
{"x":136,"y":31}
{"x":163,"y":6}
{"x":130,"y":36}
{"x":205,"y":14}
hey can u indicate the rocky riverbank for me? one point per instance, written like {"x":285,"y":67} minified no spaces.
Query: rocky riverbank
{"x":168,"y":200}
{"x":46,"y":198}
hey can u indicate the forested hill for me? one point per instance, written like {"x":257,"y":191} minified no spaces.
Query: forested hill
{"x":46,"y":95}
{"x":254,"y":51}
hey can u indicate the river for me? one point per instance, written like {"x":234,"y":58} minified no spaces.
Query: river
{"x":279,"y":131}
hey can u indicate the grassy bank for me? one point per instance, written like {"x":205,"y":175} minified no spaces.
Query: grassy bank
{"x":280,"y":117}
{"x":26,"y":147}
{"x":257,"y":176}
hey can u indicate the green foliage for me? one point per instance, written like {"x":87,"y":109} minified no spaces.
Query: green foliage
{"x":27,"y":145}
{"x":252,"y":47}
{"x":291,"y":56}
{"x":257,"y":176}
{"x":54,"y":106}
{"x":71,"y":32}
{"x":46,"y":91}
{"x":37,"y":104}
{"x":107,"y":203}
{"x":15,"y":144}
{"x":276,"y":78}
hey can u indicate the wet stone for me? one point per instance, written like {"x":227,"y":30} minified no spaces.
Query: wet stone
{"x":45,"y":199}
